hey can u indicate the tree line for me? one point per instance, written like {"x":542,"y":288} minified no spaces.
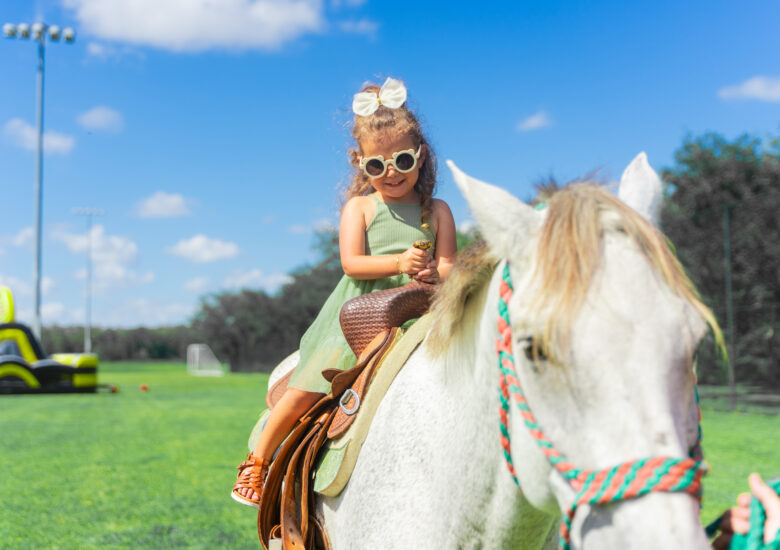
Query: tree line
{"x":720,"y":213}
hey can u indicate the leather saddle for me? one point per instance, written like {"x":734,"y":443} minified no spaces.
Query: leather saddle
{"x":370,"y":323}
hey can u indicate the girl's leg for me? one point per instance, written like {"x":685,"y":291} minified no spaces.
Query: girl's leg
{"x":290,"y":408}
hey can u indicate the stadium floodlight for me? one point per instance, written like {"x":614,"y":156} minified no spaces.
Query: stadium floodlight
{"x":39,"y":31}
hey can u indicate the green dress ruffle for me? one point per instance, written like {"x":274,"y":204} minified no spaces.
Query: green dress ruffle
{"x":393,"y":230}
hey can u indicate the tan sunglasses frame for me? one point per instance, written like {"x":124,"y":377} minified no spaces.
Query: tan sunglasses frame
{"x":380,"y":158}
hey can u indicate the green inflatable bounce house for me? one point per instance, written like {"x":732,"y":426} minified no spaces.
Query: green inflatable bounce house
{"x":25,"y":368}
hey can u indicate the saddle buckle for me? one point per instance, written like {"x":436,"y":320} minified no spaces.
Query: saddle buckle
{"x":349,"y":392}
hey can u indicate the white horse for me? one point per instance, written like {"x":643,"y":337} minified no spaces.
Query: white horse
{"x":605,"y":325}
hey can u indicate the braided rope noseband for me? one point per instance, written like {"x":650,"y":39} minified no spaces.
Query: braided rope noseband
{"x":622,"y":482}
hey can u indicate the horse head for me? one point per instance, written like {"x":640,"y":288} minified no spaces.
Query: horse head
{"x":602,"y":325}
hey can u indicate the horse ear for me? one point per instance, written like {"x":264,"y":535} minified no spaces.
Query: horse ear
{"x":504,"y":220}
{"x":640,"y":188}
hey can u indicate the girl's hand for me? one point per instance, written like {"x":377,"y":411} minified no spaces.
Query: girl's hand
{"x":412,"y":261}
{"x":430,"y":274}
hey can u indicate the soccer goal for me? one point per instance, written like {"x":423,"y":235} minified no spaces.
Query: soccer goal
{"x":201,"y":361}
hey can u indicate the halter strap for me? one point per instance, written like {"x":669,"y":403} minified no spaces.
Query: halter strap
{"x":622,"y":482}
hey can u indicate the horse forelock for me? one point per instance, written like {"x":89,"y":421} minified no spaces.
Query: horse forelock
{"x":567,"y":256}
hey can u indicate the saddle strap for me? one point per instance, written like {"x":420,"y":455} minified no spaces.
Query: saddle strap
{"x":288,"y":481}
{"x":297,"y":531}
{"x":269,"y":515}
{"x":342,"y":420}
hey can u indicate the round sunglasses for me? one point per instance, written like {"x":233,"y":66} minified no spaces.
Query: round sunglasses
{"x":402,"y":161}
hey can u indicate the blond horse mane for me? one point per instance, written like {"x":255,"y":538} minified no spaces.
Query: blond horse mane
{"x":567,"y":257}
{"x":471,"y":271}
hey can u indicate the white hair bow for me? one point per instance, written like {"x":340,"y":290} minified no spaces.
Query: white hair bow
{"x":392,"y":94}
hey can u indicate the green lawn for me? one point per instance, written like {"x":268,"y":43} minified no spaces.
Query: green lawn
{"x":154,"y":469}
{"x":131,"y":469}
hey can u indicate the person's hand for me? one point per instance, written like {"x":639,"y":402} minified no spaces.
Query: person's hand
{"x":737,"y":519}
{"x":412,"y":261}
{"x":430,"y":274}
{"x":771,"y":503}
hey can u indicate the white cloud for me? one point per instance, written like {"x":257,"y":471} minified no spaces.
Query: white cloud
{"x":145,"y":312}
{"x":101,"y":118}
{"x":202,"y":249}
{"x":112,"y":256}
{"x":467,"y":226}
{"x":21,"y":287}
{"x":347,"y":3}
{"x":299,"y":229}
{"x":197,"y":285}
{"x":198,"y":25}
{"x":18,"y":287}
{"x":22,"y":238}
{"x":360,"y":26}
{"x":162,"y":205}
{"x":24,"y":135}
{"x":534,"y":122}
{"x":51,"y":313}
{"x":106,"y":276}
{"x":255,"y":278}
{"x":317,"y":226}
{"x":762,"y":88}
{"x":102,"y":51}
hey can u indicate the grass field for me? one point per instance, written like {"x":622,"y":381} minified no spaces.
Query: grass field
{"x":154,"y":469}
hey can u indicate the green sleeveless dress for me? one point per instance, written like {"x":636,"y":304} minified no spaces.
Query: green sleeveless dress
{"x":393,"y":230}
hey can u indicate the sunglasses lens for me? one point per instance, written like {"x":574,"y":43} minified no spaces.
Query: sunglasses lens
{"x":375,"y":168}
{"x":404,"y":162}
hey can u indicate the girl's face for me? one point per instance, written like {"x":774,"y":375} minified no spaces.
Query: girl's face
{"x":393,"y":186}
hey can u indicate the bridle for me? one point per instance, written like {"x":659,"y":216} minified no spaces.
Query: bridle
{"x":622,"y":482}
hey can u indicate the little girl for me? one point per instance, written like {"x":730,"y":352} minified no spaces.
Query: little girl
{"x":389,"y":205}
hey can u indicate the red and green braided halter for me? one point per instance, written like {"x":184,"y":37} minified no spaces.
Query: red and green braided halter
{"x":622,"y":482}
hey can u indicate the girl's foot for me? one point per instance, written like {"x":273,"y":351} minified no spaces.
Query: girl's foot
{"x":252,"y":474}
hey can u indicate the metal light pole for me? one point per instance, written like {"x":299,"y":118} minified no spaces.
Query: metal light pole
{"x":88,"y":212}
{"x":39,"y":32}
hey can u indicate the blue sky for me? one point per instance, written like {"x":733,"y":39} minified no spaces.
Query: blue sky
{"x":215,"y":139}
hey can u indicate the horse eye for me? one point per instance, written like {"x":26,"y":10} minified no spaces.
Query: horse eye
{"x":527,"y":345}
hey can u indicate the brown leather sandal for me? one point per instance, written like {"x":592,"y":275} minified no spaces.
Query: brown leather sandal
{"x":252,"y":473}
